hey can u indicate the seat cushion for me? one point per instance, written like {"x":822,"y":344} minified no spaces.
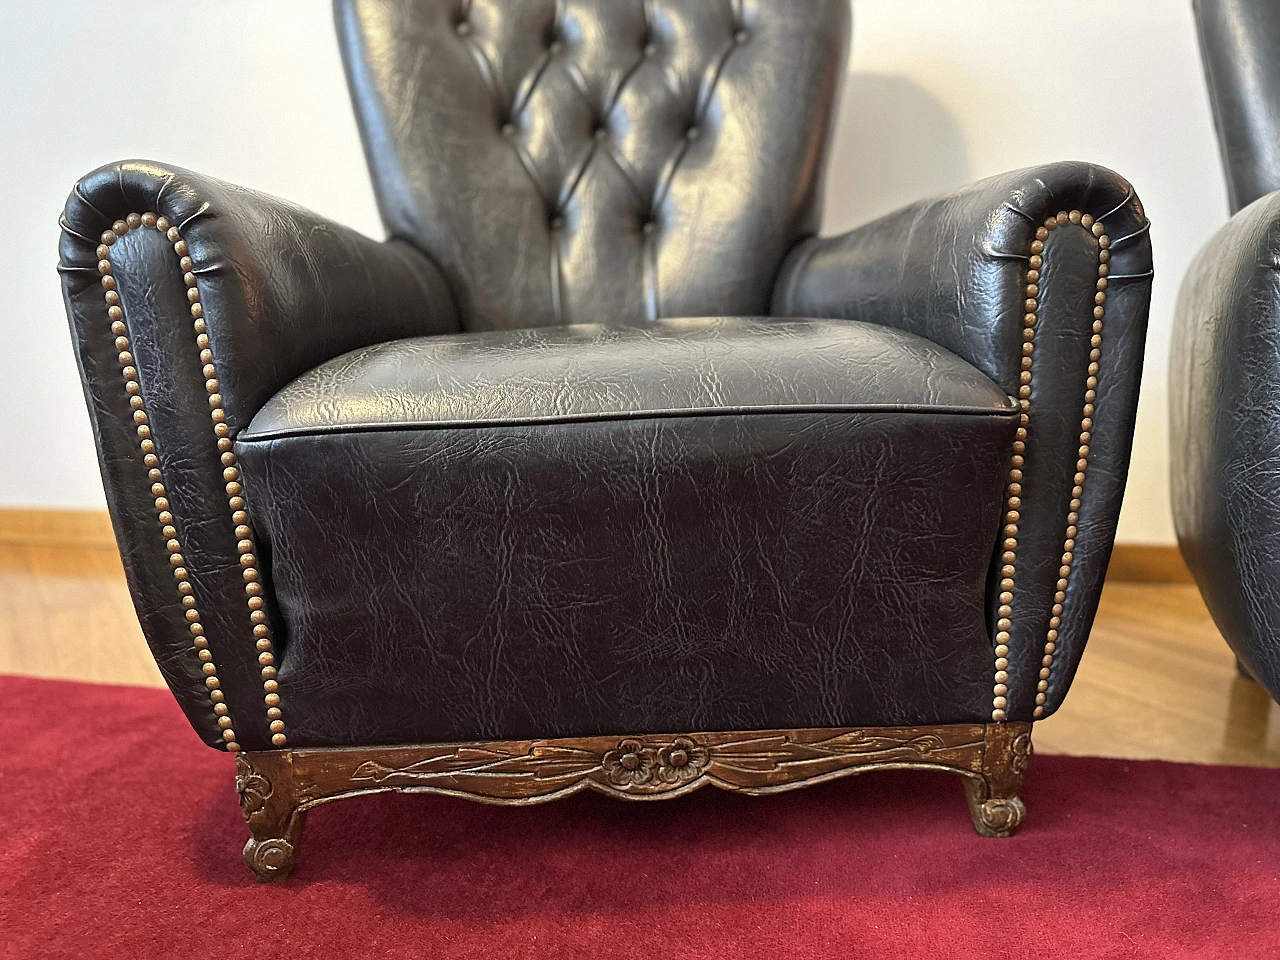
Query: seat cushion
{"x":700,"y":525}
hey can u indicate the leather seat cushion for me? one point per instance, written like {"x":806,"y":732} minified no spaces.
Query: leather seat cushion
{"x":702,"y":524}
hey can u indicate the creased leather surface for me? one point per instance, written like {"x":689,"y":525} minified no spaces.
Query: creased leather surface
{"x":1240,"y":47}
{"x":953,"y":270}
{"x":611,"y":576}
{"x":811,"y":547}
{"x":1224,"y":374}
{"x":526,"y":144}
{"x":282,"y":290}
{"x":580,"y":372}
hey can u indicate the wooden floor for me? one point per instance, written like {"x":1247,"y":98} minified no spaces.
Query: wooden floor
{"x":1156,"y":681}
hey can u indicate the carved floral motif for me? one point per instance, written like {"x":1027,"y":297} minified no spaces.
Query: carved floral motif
{"x":252,"y":788}
{"x":631,"y":764}
{"x":652,"y":765}
{"x":683,"y":761}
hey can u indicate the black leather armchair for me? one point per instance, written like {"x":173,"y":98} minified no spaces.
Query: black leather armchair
{"x":1225,"y":366}
{"x":605,"y":471}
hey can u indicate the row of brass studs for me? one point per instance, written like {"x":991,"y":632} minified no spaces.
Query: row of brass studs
{"x":151,"y":461}
{"x":231,"y":480}
{"x":1013,"y":502}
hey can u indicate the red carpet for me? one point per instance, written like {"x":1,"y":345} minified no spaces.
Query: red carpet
{"x":121,"y":835}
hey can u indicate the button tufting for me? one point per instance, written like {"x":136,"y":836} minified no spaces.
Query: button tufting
{"x":463,"y":28}
{"x":650,"y":49}
{"x":508,"y":130}
{"x":600,"y":132}
{"x":693,"y":133}
{"x":741,"y":37}
{"x":555,"y":47}
{"x":557,"y":223}
{"x":648,"y":227}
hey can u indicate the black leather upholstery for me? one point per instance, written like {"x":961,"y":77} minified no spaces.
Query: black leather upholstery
{"x":593,"y":530}
{"x":572,"y":160}
{"x":465,"y":524}
{"x":953,"y":270}
{"x":1224,"y":376}
{"x":1239,"y":40}
{"x":1224,"y":369}
{"x":282,"y":290}
{"x":696,"y":366}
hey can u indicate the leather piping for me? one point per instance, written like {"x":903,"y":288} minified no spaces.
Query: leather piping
{"x":250,"y":435}
{"x":230,"y":474}
{"x":1013,"y":502}
{"x":151,"y":460}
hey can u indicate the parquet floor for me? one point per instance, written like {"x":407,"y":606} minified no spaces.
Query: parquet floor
{"x":1156,"y":681}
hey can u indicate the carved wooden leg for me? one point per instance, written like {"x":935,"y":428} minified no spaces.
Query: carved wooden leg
{"x":265,"y":784}
{"x":993,"y":798}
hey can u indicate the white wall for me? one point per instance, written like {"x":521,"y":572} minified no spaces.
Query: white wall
{"x":940,"y":92}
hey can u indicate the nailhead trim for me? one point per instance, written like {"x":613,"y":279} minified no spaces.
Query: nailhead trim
{"x":151,"y":460}
{"x":1013,"y":501}
{"x":230,"y":476}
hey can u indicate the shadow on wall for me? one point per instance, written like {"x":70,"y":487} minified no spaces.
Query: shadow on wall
{"x":895,"y":143}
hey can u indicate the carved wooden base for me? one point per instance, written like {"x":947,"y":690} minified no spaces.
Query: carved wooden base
{"x":277,"y":788}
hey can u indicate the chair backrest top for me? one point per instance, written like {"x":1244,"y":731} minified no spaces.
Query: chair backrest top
{"x":1240,"y":45}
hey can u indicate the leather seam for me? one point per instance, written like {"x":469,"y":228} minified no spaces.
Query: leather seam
{"x":620,"y":417}
{"x":1013,"y":499}
{"x":151,"y":460}
{"x":230,"y":474}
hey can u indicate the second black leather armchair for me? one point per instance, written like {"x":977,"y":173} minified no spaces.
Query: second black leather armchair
{"x":1224,"y":368}
{"x":605,"y":472}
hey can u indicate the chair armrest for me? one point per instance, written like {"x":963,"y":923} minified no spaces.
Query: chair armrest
{"x":1057,"y":317}
{"x":1224,"y":394}
{"x":191,"y":302}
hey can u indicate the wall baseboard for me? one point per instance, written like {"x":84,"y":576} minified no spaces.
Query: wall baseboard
{"x":1148,"y":563}
{"x":34,"y":526}
{"x":1132,"y":562}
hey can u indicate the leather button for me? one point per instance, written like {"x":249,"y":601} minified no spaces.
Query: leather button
{"x":648,"y":227}
{"x":557,"y":223}
{"x":555,"y":47}
{"x":741,"y":37}
{"x":650,"y":49}
{"x":462,"y":29}
{"x":600,"y":133}
{"x":693,"y":133}
{"x":508,"y":130}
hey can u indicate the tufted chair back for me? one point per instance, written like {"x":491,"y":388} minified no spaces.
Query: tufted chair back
{"x":612,"y":161}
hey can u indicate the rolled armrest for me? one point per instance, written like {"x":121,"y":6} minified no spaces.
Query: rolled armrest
{"x":1040,"y":278}
{"x":1224,"y":390}
{"x":191,"y":302}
